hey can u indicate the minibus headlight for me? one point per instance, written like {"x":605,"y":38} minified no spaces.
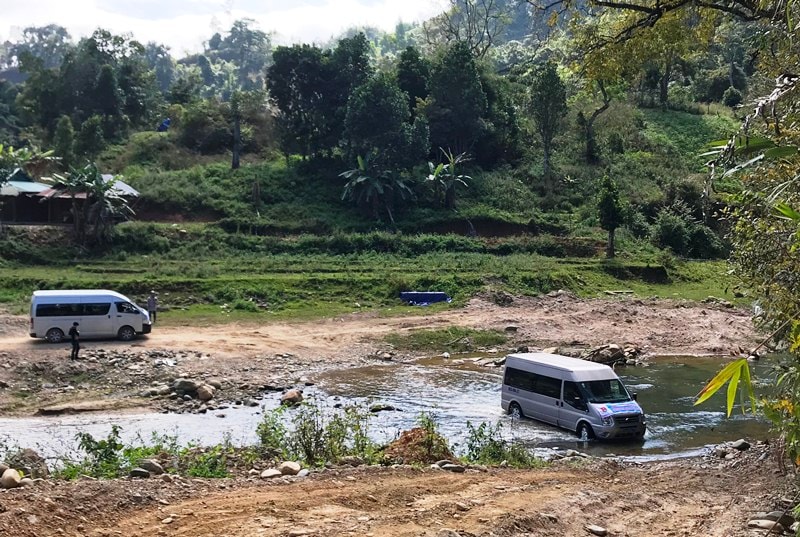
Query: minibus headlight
{"x":608,"y":420}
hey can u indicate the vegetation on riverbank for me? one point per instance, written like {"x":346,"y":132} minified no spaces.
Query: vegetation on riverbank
{"x":311,"y":434}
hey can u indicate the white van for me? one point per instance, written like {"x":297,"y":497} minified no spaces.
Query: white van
{"x":573,"y":394}
{"x":100,"y":313}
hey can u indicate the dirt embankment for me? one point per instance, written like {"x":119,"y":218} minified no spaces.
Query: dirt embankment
{"x":250,"y":358}
{"x":679,"y":498}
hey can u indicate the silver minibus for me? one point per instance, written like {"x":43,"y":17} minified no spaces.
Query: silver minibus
{"x":578,"y":395}
{"x":100,"y":314}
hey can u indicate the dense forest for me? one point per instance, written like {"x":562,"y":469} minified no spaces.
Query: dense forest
{"x":494,"y":118}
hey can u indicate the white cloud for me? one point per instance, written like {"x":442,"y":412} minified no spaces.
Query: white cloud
{"x":185,"y":24}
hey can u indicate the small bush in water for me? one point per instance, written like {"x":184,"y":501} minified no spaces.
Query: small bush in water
{"x":485,"y":445}
{"x":317,"y":436}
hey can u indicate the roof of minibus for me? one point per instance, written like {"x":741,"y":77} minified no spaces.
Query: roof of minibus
{"x":76,"y":293}
{"x":564,"y":363}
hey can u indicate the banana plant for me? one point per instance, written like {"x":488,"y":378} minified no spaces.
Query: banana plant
{"x":445,"y":178}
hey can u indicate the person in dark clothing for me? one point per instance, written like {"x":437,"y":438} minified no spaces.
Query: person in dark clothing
{"x":152,"y":306}
{"x":76,"y":346}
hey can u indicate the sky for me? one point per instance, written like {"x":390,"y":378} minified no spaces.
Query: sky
{"x":183,"y":25}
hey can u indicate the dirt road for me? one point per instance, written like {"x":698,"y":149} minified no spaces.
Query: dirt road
{"x":253,"y":355}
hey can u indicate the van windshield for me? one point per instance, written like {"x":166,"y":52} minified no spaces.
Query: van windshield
{"x":605,"y":391}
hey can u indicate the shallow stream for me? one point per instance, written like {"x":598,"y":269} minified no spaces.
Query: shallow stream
{"x":454,"y":391}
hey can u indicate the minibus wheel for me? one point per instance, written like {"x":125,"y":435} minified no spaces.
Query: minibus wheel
{"x":515,"y":411}
{"x":54,"y":335}
{"x":585,"y":431}
{"x":126,"y":333}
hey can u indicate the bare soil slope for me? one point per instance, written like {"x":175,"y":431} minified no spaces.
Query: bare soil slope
{"x":683,"y":498}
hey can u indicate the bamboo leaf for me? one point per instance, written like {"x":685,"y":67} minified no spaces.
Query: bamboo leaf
{"x":780,"y":152}
{"x":733,"y":387}
{"x":787,"y":211}
{"x":748,"y":384}
{"x":720,"y":379}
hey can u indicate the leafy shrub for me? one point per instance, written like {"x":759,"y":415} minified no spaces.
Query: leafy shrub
{"x":637,"y":223}
{"x":705,"y":244}
{"x":317,"y":436}
{"x":204,"y":128}
{"x":485,"y":445}
{"x":210,"y":463}
{"x":671,"y":231}
{"x":732,"y":97}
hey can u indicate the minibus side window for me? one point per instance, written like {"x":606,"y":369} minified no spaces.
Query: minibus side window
{"x":96,"y":308}
{"x":549,"y":386}
{"x":126,"y":307}
{"x":517,"y":378}
{"x":572,"y":395}
{"x":58,"y":310}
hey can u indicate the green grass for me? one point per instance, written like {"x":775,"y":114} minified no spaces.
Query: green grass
{"x":257,"y":287}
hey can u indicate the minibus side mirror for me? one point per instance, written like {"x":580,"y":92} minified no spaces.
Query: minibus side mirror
{"x":634,"y":396}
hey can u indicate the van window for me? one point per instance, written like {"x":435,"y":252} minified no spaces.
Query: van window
{"x":58,"y":310}
{"x":96,"y":308}
{"x":605,"y":391}
{"x":516,"y":378}
{"x":548,"y":386}
{"x":532,"y":382}
{"x":573,"y":396}
{"x":126,"y":307}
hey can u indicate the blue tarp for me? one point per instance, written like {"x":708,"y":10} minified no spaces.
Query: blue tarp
{"x":423,"y":298}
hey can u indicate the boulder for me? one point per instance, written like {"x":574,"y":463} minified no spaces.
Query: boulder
{"x":605,"y":354}
{"x":771,"y":525}
{"x":292,"y":397}
{"x":3,"y":467}
{"x":31,"y":463}
{"x":780,"y":517}
{"x":140,"y":473}
{"x":216,"y":383}
{"x":352,"y":460}
{"x":596,"y":530}
{"x":457,"y":468}
{"x":10,"y":479}
{"x":741,"y":445}
{"x":184,"y":386}
{"x":205,"y":392}
{"x":271,"y":473}
{"x":380,"y":408}
{"x":26,"y":482}
{"x":151,"y":465}
{"x":289,"y":468}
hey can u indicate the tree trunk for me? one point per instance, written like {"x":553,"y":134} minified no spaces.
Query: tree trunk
{"x":610,"y":249}
{"x":663,"y":83}
{"x":546,"y":169}
{"x":237,"y":142}
{"x":450,"y":197}
{"x":592,"y":156}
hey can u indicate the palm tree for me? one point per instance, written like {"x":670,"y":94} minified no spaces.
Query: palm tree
{"x":445,"y":178}
{"x":368,"y":185}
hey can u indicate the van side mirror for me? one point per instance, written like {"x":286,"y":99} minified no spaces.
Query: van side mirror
{"x":634,"y":396}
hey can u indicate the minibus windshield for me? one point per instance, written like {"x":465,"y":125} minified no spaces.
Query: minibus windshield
{"x":604,"y":391}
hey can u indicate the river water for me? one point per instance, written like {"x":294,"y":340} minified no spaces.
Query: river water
{"x":454,"y":392}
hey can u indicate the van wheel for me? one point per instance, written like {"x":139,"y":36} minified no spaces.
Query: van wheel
{"x":126,"y":333}
{"x":515,"y":411}
{"x":54,"y":335}
{"x":585,"y":432}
